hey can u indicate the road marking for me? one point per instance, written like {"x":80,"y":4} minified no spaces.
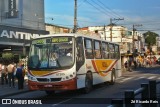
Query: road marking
{"x":152,"y":77}
{"x":139,"y":78}
{"x":120,"y":78}
{"x":61,"y":102}
{"x":125,"y":79}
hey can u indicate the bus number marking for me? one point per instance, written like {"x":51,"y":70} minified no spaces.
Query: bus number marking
{"x":104,"y":64}
{"x":60,"y":74}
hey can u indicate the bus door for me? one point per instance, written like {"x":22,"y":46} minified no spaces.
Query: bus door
{"x":79,"y":53}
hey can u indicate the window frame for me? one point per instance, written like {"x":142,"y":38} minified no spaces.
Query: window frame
{"x":117,"y":52}
{"x":98,"y":50}
{"x":87,"y":54}
{"x":111,"y":51}
{"x":105,"y":51}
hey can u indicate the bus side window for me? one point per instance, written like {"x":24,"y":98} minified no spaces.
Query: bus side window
{"x":111,"y":50}
{"x":97,"y":49}
{"x":88,"y":49}
{"x":105,"y":52}
{"x":117,"y":54}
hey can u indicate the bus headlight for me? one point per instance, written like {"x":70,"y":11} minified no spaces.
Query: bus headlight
{"x":32,"y":78}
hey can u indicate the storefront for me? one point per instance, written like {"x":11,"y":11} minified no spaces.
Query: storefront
{"x":17,"y":40}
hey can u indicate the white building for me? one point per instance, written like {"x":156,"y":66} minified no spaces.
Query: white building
{"x":53,"y":29}
{"x":118,"y":34}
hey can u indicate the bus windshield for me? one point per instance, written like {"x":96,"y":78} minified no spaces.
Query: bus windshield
{"x":51,"y":53}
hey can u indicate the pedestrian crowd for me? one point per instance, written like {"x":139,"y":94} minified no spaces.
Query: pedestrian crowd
{"x":11,"y":72}
{"x":140,"y":62}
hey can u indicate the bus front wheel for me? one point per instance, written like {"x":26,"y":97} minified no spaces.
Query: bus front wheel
{"x":88,"y":82}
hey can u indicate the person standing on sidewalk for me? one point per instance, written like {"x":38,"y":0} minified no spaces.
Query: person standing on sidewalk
{"x":4,"y":74}
{"x":20,"y":76}
{"x":11,"y":70}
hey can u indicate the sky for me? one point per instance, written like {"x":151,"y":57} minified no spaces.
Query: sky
{"x":99,"y":13}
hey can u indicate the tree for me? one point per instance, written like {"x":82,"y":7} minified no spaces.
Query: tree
{"x":7,"y":58}
{"x":150,"y":38}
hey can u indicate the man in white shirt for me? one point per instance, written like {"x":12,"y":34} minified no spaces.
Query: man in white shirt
{"x":11,"y":70}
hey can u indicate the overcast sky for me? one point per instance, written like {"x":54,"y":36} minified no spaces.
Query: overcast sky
{"x":99,"y":12}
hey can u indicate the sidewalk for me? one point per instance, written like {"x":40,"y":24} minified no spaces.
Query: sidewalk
{"x":6,"y":91}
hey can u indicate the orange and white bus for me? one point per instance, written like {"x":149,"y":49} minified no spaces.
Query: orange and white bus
{"x":71,"y":61}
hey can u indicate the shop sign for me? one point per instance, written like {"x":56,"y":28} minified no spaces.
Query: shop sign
{"x":17,"y":35}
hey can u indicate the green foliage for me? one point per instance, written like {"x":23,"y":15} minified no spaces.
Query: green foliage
{"x":7,"y":58}
{"x":7,"y":55}
{"x":150,"y":38}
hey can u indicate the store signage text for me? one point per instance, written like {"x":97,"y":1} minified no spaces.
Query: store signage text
{"x":17,"y":35}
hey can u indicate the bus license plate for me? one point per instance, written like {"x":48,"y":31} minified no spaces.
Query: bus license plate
{"x":47,"y":85}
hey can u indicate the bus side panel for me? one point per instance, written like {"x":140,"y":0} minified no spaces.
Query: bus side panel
{"x":94,"y":66}
{"x":102,"y":73}
{"x":118,"y":68}
{"x":81,"y":74}
{"x":102,"y":69}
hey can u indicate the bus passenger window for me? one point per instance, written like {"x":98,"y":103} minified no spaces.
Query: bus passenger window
{"x":88,"y":49}
{"x":117,"y":54}
{"x":111,"y":49}
{"x":105,"y":52}
{"x":97,"y":50}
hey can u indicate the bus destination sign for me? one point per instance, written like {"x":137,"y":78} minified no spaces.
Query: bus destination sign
{"x":39,"y":41}
{"x":60,"y":40}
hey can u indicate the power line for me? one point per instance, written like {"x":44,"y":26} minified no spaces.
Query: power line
{"x":81,"y":3}
{"x":109,"y":9}
{"x":103,"y":8}
{"x":97,"y":8}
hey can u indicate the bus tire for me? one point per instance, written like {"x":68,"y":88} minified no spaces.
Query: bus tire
{"x":88,"y":82}
{"x":49,"y":92}
{"x":113,"y":77}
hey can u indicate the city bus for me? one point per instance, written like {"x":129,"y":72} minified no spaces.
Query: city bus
{"x":72,"y":61}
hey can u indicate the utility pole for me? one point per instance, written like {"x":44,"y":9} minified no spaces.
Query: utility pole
{"x":104,"y":32}
{"x":133,"y":45}
{"x":111,"y":25}
{"x":75,"y":16}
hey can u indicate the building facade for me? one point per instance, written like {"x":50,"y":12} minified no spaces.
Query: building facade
{"x":118,"y":34}
{"x":20,"y":21}
{"x":54,"y":29}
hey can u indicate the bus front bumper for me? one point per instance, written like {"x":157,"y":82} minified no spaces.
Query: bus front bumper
{"x":64,"y":85}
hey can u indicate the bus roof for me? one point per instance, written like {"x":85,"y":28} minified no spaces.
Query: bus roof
{"x":73,"y":35}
